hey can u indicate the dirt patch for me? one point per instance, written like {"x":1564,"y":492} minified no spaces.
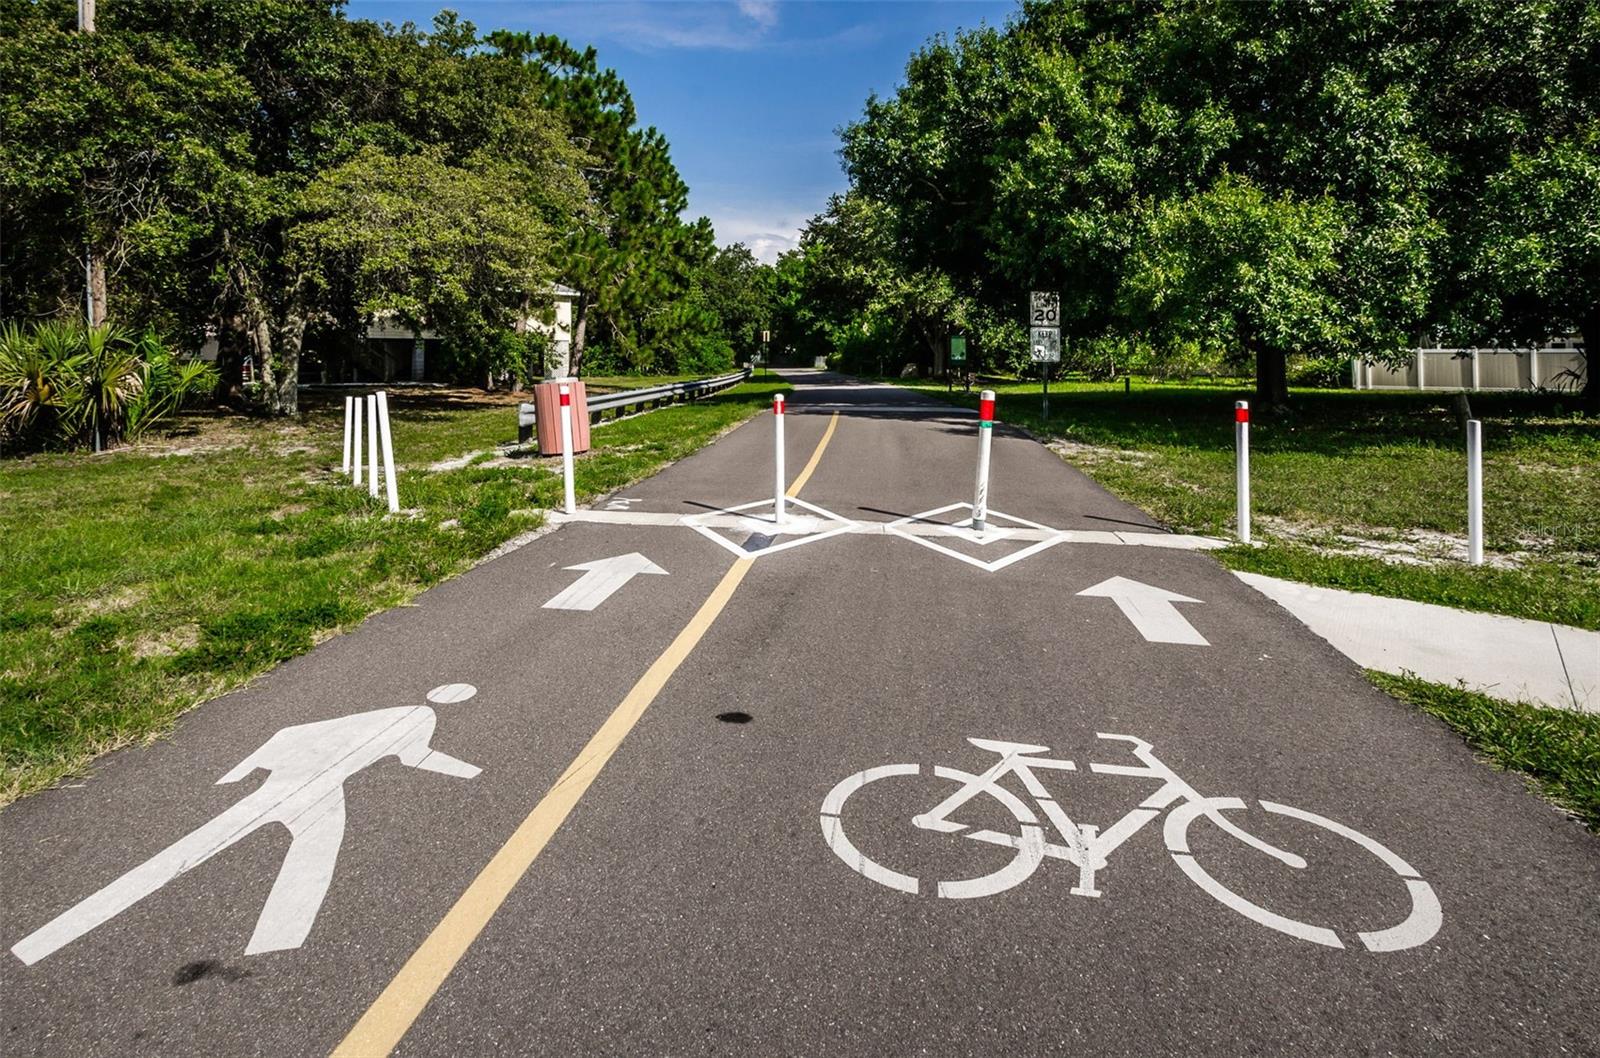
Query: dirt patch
{"x":166,"y":643}
{"x":1089,"y":455}
{"x":1410,"y":547}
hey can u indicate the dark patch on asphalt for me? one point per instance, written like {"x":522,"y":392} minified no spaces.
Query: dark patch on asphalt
{"x":758,"y":542}
{"x":191,"y":972}
{"x":735,"y":717}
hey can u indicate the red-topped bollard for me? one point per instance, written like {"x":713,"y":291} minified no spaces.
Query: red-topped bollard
{"x":570,"y":501}
{"x":777,"y":463}
{"x":1241,"y":444}
{"x":980,"y":494}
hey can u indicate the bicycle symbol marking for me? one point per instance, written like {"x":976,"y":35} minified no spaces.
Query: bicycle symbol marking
{"x":1088,"y":847}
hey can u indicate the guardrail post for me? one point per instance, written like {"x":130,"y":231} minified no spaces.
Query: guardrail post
{"x":1475,"y":492}
{"x":569,"y":499}
{"x":980,"y":492}
{"x":778,"y":475}
{"x":1241,"y":470}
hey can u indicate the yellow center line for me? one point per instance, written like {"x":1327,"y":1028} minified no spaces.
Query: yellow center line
{"x":400,"y":1004}
{"x":816,"y":457}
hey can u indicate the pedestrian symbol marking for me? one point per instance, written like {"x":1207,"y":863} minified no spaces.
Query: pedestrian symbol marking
{"x":1057,"y":836}
{"x":1150,"y":610}
{"x":307,"y":765}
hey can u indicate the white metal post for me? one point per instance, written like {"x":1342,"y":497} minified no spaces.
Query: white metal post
{"x":344,"y":468}
{"x":569,"y":496}
{"x":372,"y":444}
{"x":778,"y":476}
{"x":355,"y":443}
{"x":1241,"y":475}
{"x":389,"y":482}
{"x":1475,"y":492}
{"x":980,"y":492}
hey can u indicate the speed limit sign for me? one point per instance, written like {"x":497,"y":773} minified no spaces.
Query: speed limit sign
{"x":1044,"y":309}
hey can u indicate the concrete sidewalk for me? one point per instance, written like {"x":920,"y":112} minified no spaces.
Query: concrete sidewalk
{"x":1506,"y":657}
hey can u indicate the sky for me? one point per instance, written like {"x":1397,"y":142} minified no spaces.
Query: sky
{"x":749,"y":93}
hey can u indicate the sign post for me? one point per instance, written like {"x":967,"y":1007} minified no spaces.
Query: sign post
{"x":1044,"y":335}
{"x":958,"y":356}
{"x":766,"y":336}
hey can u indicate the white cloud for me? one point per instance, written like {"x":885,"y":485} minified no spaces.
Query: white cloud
{"x":763,"y":13}
{"x":643,"y":25}
{"x":766,"y":234}
{"x":694,"y":25}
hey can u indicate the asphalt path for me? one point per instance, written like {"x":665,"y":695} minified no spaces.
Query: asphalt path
{"x":661,"y":853}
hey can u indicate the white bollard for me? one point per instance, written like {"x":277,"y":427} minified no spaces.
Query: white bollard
{"x":355,"y":444}
{"x":778,"y":475}
{"x":1475,"y":492}
{"x":344,"y":468}
{"x":569,"y":501}
{"x":388,"y":453}
{"x":1241,"y":473}
{"x":980,"y":492}
{"x":372,"y":444}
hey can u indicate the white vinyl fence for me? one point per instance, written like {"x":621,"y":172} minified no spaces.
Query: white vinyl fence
{"x":1559,"y":366}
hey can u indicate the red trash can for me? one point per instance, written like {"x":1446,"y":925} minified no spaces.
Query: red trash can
{"x":547,"y":415}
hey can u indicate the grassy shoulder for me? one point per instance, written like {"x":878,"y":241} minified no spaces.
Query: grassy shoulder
{"x":146,"y":580}
{"x":1558,"y":750}
{"x":1357,"y":490}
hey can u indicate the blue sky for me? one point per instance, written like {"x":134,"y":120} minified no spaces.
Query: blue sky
{"x":748,"y":92}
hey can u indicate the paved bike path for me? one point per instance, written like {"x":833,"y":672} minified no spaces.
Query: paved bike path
{"x":690,"y":902}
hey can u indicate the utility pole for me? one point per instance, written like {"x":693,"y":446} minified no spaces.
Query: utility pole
{"x":94,"y":264}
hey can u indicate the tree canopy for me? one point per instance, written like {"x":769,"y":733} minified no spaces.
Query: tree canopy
{"x":1336,"y":179}
{"x":274,"y":173}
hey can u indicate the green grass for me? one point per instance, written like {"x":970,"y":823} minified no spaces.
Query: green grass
{"x":1373,"y":467}
{"x":1558,"y":750}
{"x":144,"y":581}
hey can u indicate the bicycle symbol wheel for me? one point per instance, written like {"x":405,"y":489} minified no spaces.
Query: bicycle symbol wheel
{"x":1029,"y":849}
{"x":1418,"y":927}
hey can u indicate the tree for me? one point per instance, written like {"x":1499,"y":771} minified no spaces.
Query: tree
{"x":433,"y":244}
{"x":1231,"y":265}
{"x":631,"y":261}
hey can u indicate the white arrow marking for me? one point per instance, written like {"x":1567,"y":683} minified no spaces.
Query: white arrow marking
{"x":600,"y":581}
{"x":1150,"y":609}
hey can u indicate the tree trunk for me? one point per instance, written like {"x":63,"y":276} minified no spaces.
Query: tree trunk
{"x":291,"y":337}
{"x":1272,"y":381}
{"x":97,"y":286}
{"x":580,"y":330}
{"x":1590,"y":400}
{"x":276,"y":344}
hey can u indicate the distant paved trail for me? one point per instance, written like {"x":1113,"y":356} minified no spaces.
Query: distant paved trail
{"x":736,"y":809}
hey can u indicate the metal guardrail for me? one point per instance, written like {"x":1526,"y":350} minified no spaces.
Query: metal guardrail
{"x":669,"y":393}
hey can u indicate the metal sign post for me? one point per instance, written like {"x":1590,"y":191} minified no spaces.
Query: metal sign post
{"x":1044,"y":335}
{"x":766,"y":336}
{"x":958,"y":355}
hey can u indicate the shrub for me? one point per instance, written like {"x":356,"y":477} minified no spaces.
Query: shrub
{"x":64,"y":382}
{"x":1322,"y":372}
